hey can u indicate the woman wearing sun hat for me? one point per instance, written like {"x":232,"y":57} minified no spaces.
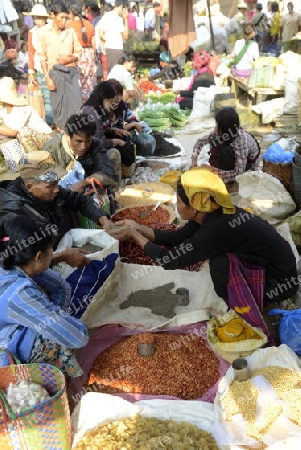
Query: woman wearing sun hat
{"x":18,"y":120}
{"x":35,"y":72}
{"x":239,"y":245}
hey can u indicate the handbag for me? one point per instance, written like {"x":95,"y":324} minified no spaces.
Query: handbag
{"x":46,"y":425}
{"x":12,"y":151}
{"x":35,"y":99}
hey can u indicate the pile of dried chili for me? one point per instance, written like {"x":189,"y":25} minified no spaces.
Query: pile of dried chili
{"x":130,"y":252}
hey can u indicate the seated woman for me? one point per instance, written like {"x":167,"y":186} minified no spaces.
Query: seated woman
{"x":34,"y":322}
{"x":233,"y":150}
{"x":122,"y":117}
{"x":233,"y":240}
{"x":9,"y":66}
{"x":203,"y":77}
{"x":245,"y":52}
{"x":22,"y":59}
{"x":18,"y":120}
{"x":103,"y":100}
{"x":169,"y":70}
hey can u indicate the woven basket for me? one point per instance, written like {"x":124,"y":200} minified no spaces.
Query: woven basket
{"x":282,"y":171}
{"x":142,"y":194}
{"x":44,"y":426}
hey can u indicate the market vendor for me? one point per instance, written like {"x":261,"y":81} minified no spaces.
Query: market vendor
{"x":202,"y":77}
{"x":231,"y":238}
{"x":169,"y":70}
{"x":34,"y":323}
{"x":245,"y":51}
{"x":233,"y":150}
{"x":34,"y":192}
{"x":122,"y":72}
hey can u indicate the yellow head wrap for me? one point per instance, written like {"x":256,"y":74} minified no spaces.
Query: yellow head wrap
{"x":200,"y":184}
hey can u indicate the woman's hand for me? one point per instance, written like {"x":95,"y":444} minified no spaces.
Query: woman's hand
{"x":121,"y":233}
{"x":74,"y":257}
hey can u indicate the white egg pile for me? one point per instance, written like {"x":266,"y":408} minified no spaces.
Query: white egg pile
{"x":25,"y":394}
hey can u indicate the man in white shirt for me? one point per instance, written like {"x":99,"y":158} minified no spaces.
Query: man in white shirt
{"x":113,"y":28}
{"x":150,"y":20}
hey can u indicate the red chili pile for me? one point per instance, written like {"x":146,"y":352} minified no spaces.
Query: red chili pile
{"x":130,"y":252}
{"x":160,"y":216}
{"x":181,"y":366}
{"x":147,"y":86}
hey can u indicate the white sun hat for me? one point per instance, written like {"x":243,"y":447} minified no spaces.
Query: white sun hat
{"x":37,"y":10}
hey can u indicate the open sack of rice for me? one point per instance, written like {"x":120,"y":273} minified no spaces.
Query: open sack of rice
{"x":265,"y":410}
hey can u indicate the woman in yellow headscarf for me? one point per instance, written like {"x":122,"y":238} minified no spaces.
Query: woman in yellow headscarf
{"x":229,"y":237}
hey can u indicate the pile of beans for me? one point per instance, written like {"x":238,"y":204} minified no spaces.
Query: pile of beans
{"x":181,"y":366}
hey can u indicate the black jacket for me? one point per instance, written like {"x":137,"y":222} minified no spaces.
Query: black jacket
{"x":16,"y":200}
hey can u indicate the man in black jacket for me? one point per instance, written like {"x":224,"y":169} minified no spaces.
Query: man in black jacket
{"x":36,"y":194}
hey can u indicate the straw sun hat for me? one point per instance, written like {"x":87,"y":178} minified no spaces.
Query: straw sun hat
{"x":37,"y":10}
{"x":8,"y":93}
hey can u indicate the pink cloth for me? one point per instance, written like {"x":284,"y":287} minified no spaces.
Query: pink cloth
{"x":132,"y":22}
{"x":109,"y":335}
{"x":202,"y":70}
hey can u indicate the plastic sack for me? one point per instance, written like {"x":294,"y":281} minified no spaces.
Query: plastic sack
{"x":263,"y":70}
{"x":203,"y":102}
{"x":73,"y":176}
{"x":91,"y":301}
{"x":233,"y":350}
{"x":265,"y":196}
{"x":203,"y":39}
{"x":276,"y":153}
{"x":88,"y":416}
{"x":92,"y":276}
{"x":145,"y":144}
{"x":281,"y":356}
{"x":289,"y":328}
{"x":291,"y":90}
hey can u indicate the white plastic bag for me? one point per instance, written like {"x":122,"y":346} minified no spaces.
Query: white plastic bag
{"x":281,"y":356}
{"x":203,"y":102}
{"x":265,"y":196}
{"x":78,"y":237}
{"x":291,"y":90}
{"x":88,"y":415}
{"x":203,"y":39}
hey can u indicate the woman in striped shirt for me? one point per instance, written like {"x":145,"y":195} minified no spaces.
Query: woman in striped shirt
{"x":34,"y":322}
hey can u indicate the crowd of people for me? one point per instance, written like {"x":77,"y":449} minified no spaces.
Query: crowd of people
{"x":89,"y":123}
